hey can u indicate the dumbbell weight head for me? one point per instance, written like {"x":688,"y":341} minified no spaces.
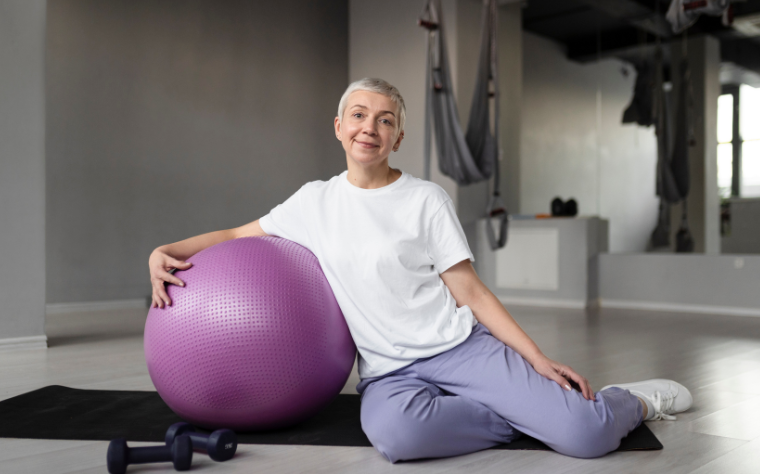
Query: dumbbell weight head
{"x":116,"y":457}
{"x":182,"y":453}
{"x":176,"y":430}
{"x":119,"y":456}
{"x":220,"y":445}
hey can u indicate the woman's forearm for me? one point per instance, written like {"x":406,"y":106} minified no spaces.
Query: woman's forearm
{"x":491,"y":313}
{"x":185,"y":249}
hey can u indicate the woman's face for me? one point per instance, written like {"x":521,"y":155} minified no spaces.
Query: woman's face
{"x":369,"y":127}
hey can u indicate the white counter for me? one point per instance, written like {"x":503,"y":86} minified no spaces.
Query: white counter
{"x":547,"y":262}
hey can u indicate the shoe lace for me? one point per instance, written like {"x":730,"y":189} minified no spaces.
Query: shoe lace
{"x":662,"y":403}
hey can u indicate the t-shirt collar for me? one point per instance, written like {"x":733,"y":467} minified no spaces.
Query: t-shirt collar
{"x":344,"y":179}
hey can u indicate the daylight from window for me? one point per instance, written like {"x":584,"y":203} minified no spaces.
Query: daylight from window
{"x":749,"y":129}
{"x":725,"y":148}
{"x":748,"y":139}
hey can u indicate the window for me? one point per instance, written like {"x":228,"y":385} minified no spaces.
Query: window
{"x":739,"y":141}
{"x":725,"y":145}
{"x":749,"y":132}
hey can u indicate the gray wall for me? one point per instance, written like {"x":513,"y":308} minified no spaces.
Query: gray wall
{"x":22,"y":168}
{"x":573,"y":144}
{"x":167,"y":119}
{"x":695,"y":283}
{"x":744,"y":236}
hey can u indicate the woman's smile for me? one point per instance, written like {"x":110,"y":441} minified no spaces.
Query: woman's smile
{"x":367,"y":144}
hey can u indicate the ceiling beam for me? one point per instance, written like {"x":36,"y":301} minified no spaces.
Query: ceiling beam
{"x":608,"y":44}
{"x":635,"y":14}
{"x":628,"y":46}
{"x":611,"y":43}
{"x":536,"y":19}
{"x":742,"y":52}
{"x":638,"y":39}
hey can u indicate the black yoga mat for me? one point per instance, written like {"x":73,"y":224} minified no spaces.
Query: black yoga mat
{"x":57,"y":412}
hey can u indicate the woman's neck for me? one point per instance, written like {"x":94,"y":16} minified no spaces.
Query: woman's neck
{"x":372,"y":179}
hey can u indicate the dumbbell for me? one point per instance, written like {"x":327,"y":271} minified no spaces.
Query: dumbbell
{"x":220,"y":445}
{"x":120,"y":455}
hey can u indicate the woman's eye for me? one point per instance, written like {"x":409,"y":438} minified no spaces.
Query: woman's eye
{"x":386,"y":121}
{"x":358,"y":114}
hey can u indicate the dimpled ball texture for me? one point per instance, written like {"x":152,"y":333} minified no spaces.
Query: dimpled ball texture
{"x":255,"y":340}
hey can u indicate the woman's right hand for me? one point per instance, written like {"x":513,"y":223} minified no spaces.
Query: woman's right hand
{"x":161,"y":264}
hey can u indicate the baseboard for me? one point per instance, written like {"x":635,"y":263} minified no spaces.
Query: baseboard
{"x":680,"y":308}
{"x":543,"y":302}
{"x":64,"y":308}
{"x":23,"y":343}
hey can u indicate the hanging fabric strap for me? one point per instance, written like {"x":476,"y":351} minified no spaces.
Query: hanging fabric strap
{"x":471,"y":157}
{"x":684,"y":138}
{"x":673,"y":165}
{"x":667,"y":188}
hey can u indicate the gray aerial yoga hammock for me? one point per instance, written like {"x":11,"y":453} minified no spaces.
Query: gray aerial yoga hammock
{"x":672,"y":166}
{"x":475,"y":156}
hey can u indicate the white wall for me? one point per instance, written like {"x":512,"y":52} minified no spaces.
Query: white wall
{"x":574,"y":145}
{"x":22,"y":170}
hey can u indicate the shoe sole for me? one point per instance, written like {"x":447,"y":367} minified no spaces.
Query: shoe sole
{"x":633,"y":384}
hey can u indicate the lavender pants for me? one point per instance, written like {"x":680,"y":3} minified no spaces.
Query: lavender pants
{"x":482,"y":393}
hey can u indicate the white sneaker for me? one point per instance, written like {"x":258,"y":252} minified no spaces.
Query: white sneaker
{"x":663,"y":397}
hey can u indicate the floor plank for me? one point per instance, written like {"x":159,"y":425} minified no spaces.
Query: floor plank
{"x":742,"y":460}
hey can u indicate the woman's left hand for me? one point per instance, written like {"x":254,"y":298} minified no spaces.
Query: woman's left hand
{"x":560,"y":373}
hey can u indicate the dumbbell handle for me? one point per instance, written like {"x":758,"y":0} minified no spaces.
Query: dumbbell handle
{"x":149,"y":454}
{"x":200,"y":440}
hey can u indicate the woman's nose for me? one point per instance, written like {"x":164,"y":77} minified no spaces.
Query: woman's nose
{"x":370,"y":129}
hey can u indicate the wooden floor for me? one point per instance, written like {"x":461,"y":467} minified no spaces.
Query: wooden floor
{"x":717,"y":357}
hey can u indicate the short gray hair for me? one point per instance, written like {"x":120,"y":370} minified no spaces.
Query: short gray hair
{"x":379,"y":86}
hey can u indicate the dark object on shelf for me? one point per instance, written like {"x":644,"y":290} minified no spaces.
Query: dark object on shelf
{"x":571,"y":208}
{"x":558,"y":207}
{"x":561,"y":208}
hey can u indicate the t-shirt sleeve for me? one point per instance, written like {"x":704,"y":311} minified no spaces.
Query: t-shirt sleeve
{"x":288,"y":220}
{"x":447,"y":244}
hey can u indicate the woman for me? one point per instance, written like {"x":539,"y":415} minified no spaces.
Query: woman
{"x":444,"y":368}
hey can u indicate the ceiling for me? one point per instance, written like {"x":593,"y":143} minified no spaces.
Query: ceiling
{"x":593,"y":29}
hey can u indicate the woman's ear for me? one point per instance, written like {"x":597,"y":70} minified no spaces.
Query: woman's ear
{"x":337,"y":127}
{"x":398,"y":141}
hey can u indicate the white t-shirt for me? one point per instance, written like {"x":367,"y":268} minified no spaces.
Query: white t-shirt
{"x":382,"y":251}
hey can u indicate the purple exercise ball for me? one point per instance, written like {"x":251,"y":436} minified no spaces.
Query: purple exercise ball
{"x":255,"y":339}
